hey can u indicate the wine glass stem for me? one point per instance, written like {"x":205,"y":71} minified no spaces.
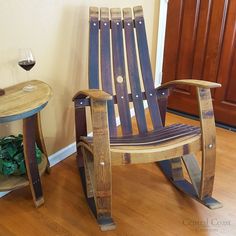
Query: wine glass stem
{"x":28,"y":76}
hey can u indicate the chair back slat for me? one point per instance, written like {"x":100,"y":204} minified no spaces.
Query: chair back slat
{"x":146,"y":68}
{"x":93,"y":48}
{"x":119,"y":72}
{"x":133,"y":70}
{"x":106,"y":76}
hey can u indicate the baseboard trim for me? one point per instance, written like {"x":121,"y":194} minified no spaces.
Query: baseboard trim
{"x":62,"y":154}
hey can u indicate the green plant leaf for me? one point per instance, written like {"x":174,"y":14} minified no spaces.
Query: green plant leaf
{"x":12,"y":155}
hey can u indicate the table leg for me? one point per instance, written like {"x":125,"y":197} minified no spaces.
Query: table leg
{"x":40,"y":141}
{"x":29,"y":125}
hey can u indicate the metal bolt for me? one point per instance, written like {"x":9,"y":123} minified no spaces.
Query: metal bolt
{"x":163,"y":93}
{"x":136,"y":96}
{"x":105,"y":23}
{"x":128,"y":24}
{"x":94,"y":24}
{"x":210,"y":145}
{"x":102,"y":163}
{"x":80,"y":103}
{"x":150,"y":94}
{"x":140,"y":22}
{"x":117,"y":23}
{"x":122,"y":97}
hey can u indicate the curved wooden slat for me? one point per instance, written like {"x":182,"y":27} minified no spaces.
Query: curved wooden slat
{"x":193,"y":170}
{"x":40,"y":140}
{"x":29,"y":125}
{"x":93,"y":48}
{"x":133,"y":70}
{"x":176,"y":168}
{"x":208,"y":141}
{"x":95,"y":94}
{"x":190,"y":82}
{"x":80,"y":130}
{"x":187,"y":188}
{"x":119,"y":71}
{"x":152,"y":138}
{"x":145,"y":154}
{"x":106,"y":66}
{"x":102,"y":164}
{"x":146,"y":68}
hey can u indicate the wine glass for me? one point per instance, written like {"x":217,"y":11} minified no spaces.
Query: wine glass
{"x":27,"y":62}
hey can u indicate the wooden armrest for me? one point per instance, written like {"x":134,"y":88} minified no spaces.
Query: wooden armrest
{"x":95,"y":94}
{"x":191,"y":82}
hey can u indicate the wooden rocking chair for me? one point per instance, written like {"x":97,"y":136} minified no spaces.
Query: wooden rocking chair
{"x":168,"y":145}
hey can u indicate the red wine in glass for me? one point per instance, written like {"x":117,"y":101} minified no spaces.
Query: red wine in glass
{"x":27,"y":62}
{"x":26,"y":65}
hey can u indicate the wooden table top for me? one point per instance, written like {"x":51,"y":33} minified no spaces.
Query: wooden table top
{"x":18,"y":104}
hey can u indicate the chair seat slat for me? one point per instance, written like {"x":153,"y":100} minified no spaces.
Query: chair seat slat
{"x":154,"y":137}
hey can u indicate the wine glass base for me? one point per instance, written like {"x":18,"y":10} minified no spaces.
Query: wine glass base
{"x":29,"y":88}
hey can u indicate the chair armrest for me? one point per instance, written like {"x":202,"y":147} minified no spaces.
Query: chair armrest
{"x":94,"y":94}
{"x":97,"y":100}
{"x":190,"y":82}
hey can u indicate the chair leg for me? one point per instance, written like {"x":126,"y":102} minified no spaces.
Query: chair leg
{"x":198,"y":179}
{"x":176,"y":169}
{"x":90,"y":200}
{"x":88,"y":161}
{"x":30,"y":160}
{"x":102,"y":164}
{"x":40,"y":141}
{"x":98,"y":194}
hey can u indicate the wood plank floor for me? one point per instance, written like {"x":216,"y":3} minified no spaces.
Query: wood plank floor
{"x":144,"y":202}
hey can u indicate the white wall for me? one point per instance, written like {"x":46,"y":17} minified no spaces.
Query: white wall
{"x":160,"y":41}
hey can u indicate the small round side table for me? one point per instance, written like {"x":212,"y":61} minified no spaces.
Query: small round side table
{"x":17,"y":104}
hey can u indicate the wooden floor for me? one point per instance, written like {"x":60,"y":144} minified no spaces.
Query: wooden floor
{"x":144,"y":202}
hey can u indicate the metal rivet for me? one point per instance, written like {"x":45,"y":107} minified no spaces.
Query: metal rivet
{"x":80,"y":103}
{"x":128,"y":24}
{"x":105,"y":23}
{"x":163,"y":93}
{"x":122,"y":97}
{"x":102,"y":163}
{"x":117,"y":23}
{"x":140,"y":22}
{"x":94,"y":24}
{"x":136,"y":96}
{"x":119,"y":79}
{"x":210,"y":145}
{"x":150,"y":94}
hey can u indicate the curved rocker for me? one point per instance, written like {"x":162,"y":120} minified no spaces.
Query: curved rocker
{"x":202,"y":179}
{"x":170,"y":146}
